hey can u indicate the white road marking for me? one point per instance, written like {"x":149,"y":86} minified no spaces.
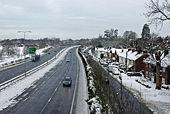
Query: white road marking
{"x":25,"y":99}
{"x":49,"y":100}
{"x":25,"y":94}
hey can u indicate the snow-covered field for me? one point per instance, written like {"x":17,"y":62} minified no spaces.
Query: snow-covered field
{"x":7,"y":59}
{"x":8,"y":95}
{"x":157,"y":100}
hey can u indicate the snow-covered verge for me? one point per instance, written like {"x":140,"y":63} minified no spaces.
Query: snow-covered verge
{"x":8,"y":94}
{"x":82,"y":92}
{"x":93,"y":101}
{"x":7,"y":60}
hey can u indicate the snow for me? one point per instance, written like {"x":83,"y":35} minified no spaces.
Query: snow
{"x":8,"y":59}
{"x":40,"y":51}
{"x":157,"y":100}
{"x":130,"y":55}
{"x":82,"y":94}
{"x":95,"y":105}
{"x":94,"y":102}
{"x":8,"y":94}
{"x":1,"y":48}
{"x":165,"y":61}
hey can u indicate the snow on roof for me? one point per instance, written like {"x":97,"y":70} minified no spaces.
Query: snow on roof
{"x":122,"y":53}
{"x":165,"y":62}
{"x":101,"y":49}
{"x":130,"y":55}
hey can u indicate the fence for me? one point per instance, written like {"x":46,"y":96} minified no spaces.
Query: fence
{"x":114,"y":93}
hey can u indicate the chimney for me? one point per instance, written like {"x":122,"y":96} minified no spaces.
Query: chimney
{"x":129,"y":49}
{"x":139,"y":50}
{"x":166,"y":52}
{"x":145,"y":51}
{"x":133,"y":50}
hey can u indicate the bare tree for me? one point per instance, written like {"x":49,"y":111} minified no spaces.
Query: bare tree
{"x":158,"y":50}
{"x":158,"y":12}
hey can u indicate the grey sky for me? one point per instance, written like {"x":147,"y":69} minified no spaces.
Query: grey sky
{"x":72,"y":18}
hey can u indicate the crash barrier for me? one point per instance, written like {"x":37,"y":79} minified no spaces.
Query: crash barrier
{"x":82,"y":57}
{"x":14,"y":63}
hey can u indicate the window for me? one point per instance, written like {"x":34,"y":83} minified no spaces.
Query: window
{"x":163,"y":69}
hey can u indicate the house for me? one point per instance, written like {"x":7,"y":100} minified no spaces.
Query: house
{"x":150,"y":68}
{"x":134,"y":59}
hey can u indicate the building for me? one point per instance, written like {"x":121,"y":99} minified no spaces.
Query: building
{"x":134,"y":57}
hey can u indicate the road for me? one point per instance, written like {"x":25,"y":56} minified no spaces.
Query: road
{"x":15,"y":71}
{"x":47,"y":95}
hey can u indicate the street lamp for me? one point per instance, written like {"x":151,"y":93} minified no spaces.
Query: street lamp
{"x":24,"y":32}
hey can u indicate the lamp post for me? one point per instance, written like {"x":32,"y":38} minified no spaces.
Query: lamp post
{"x":24,"y":32}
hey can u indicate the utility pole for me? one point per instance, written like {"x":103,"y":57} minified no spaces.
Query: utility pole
{"x":24,"y":32}
{"x":126,"y":61}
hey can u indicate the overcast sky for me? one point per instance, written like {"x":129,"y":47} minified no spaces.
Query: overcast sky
{"x":72,"y":18}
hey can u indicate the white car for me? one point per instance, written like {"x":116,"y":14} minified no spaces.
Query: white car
{"x":115,"y":71}
{"x":115,"y":63}
{"x":110,"y":67}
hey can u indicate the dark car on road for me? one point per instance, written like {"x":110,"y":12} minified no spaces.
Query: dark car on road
{"x":67,"y":81}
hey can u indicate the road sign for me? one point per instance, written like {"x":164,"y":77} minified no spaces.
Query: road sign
{"x":32,"y":50}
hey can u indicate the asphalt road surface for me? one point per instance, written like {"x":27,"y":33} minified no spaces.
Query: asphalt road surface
{"x":17,"y":70}
{"x":47,"y":95}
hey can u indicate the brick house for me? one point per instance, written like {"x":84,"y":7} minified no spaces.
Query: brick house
{"x":150,"y":68}
{"x":134,"y":59}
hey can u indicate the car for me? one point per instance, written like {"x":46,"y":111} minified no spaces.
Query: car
{"x":121,"y":71}
{"x":67,"y":81}
{"x":102,"y":61}
{"x":105,"y":65}
{"x":134,"y":74}
{"x":115,"y":63}
{"x":110,"y":67}
{"x":67,"y":60}
{"x":115,"y":71}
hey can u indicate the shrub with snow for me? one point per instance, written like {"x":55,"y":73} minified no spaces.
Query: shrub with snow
{"x":93,"y":101}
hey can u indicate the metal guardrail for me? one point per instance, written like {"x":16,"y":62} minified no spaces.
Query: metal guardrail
{"x":16,"y":63}
{"x":13,"y":64}
{"x":20,"y":77}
